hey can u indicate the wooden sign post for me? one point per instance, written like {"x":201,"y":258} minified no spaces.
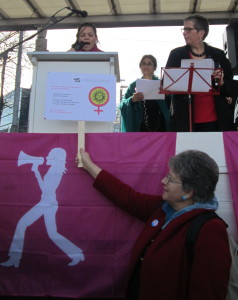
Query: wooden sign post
{"x":81,"y":140}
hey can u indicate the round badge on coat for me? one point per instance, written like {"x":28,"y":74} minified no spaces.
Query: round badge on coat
{"x":154,"y":223}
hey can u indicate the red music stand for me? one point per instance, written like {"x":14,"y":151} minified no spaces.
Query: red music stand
{"x":181,"y":81}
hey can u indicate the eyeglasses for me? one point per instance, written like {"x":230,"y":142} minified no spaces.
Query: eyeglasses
{"x":189,"y":29}
{"x":147,"y":64}
{"x":169,"y":179}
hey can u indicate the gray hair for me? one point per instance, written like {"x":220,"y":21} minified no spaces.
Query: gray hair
{"x":198,"y":172}
{"x":200,"y":23}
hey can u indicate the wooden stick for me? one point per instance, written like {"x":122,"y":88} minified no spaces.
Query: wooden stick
{"x":81,"y":140}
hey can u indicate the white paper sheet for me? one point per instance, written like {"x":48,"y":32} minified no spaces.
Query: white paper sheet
{"x":176,"y":79}
{"x":150,"y":89}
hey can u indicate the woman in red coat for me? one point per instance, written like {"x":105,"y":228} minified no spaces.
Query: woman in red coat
{"x":159,"y":267}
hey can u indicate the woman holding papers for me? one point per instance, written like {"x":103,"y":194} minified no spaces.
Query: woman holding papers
{"x":206,"y":112}
{"x":86,"y":38}
{"x":139,"y":114}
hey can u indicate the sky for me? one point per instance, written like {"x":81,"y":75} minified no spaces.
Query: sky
{"x":132,"y":43}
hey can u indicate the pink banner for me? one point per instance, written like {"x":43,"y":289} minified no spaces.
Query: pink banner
{"x":231,"y":153}
{"x":59,"y":236}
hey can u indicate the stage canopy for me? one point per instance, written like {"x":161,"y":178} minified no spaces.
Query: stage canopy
{"x":30,"y":14}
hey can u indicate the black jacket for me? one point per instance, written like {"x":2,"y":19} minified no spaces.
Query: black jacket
{"x":179,"y":102}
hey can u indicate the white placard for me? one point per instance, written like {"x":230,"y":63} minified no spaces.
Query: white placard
{"x":77,"y":96}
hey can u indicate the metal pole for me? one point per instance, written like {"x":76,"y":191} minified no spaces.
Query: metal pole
{"x":17,"y":93}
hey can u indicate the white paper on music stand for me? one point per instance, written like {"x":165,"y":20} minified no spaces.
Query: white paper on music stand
{"x":176,"y":79}
{"x":150,"y":89}
{"x":202,"y":76}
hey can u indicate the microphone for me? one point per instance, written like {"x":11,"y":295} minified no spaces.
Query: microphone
{"x":216,"y":58}
{"x":80,"y":45}
{"x":82,"y":13}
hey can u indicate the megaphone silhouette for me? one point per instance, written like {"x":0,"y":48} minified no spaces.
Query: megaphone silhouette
{"x":24,"y":158}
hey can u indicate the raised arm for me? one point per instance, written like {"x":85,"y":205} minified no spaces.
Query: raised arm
{"x":137,"y":204}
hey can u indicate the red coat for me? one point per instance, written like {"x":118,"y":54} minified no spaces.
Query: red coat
{"x":165,"y":272}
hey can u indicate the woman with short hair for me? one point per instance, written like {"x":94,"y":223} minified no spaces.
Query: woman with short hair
{"x":160,"y":268}
{"x":202,"y":112}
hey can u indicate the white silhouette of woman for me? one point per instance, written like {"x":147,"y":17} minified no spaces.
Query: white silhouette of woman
{"x":47,"y":207}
